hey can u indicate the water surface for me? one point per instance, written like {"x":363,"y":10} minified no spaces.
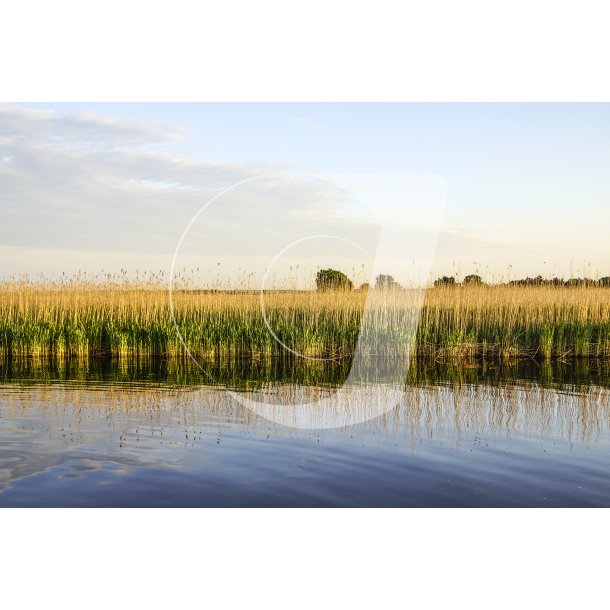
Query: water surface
{"x":159,"y":434}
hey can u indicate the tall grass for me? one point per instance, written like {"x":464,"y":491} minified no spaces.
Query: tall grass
{"x":541,"y":322}
{"x":457,"y":323}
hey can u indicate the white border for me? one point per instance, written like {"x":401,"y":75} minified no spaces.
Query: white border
{"x":303,"y":559}
{"x":440,"y":50}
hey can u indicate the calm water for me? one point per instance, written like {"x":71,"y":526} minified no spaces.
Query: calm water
{"x":100,"y":434}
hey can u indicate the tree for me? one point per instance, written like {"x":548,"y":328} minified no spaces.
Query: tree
{"x":331,"y":279}
{"x":445,"y":281}
{"x":385,"y":281}
{"x":577,"y":282}
{"x":537,"y":281}
{"x":473,"y":280}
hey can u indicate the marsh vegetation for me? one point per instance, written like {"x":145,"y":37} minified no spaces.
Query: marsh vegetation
{"x":460,"y":323}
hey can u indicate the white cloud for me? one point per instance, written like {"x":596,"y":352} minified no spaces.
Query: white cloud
{"x":81,"y":129}
{"x":96,"y":186}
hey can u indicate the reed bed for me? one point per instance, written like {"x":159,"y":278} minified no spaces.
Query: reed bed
{"x":456,"y":323}
{"x":540,"y":322}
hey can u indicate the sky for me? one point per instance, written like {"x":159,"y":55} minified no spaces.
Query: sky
{"x":503,"y":190}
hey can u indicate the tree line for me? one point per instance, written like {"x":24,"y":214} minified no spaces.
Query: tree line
{"x":529,"y":281}
{"x":332,"y":279}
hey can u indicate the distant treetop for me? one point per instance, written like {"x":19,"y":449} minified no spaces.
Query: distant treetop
{"x":331,"y":279}
{"x":473,"y":280}
{"x":386,"y":281}
{"x":445,"y":281}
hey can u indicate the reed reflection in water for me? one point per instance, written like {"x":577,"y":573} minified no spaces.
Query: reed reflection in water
{"x":100,"y":443}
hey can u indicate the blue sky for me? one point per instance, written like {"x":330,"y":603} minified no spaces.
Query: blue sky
{"x":528,"y":185}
